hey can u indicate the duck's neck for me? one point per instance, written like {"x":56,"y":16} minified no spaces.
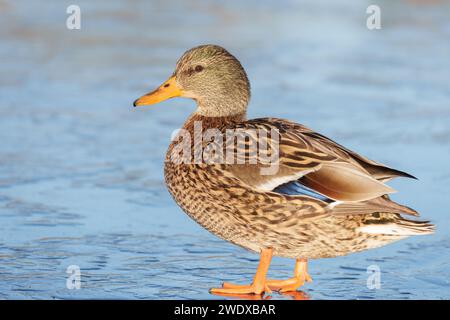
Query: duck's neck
{"x":231,"y":104}
{"x":207,"y":122}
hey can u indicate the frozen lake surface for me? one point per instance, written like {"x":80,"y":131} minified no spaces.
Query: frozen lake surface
{"x":81,"y":178}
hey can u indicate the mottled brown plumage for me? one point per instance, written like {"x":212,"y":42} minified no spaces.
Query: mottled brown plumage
{"x":221,"y":198}
{"x":347,"y":210}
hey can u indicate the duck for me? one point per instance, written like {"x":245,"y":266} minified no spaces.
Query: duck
{"x":271,"y":185}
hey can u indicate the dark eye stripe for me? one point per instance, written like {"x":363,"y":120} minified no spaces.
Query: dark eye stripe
{"x":189,"y":71}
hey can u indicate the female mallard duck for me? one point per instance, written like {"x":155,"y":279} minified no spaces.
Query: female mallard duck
{"x":301,"y":195}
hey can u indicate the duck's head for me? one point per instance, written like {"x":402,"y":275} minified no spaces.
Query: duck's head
{"x":210,"y":75}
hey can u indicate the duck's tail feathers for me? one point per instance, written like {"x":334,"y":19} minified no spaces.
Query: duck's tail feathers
{"x":400,"y":227}
{"x":380,"y":204}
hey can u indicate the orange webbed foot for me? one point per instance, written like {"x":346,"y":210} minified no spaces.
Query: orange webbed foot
{"x":292,"y":284}
{"x":236,"y":289}
{"x":258,"y":285}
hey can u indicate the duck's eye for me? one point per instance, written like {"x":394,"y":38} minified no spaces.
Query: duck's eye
{"x":198,"y":68}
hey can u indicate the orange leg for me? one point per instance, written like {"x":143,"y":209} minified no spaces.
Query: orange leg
{"x":258,"y":286}
{"x":292,"y":284}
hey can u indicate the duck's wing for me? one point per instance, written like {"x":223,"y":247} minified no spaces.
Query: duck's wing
{"x":299,"y":154}
{"x":377,"y":170}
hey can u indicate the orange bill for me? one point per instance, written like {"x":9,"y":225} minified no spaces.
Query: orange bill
{"x":167,"y":90}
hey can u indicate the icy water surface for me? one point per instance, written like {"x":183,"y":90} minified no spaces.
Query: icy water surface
{"x":81,"y":179}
